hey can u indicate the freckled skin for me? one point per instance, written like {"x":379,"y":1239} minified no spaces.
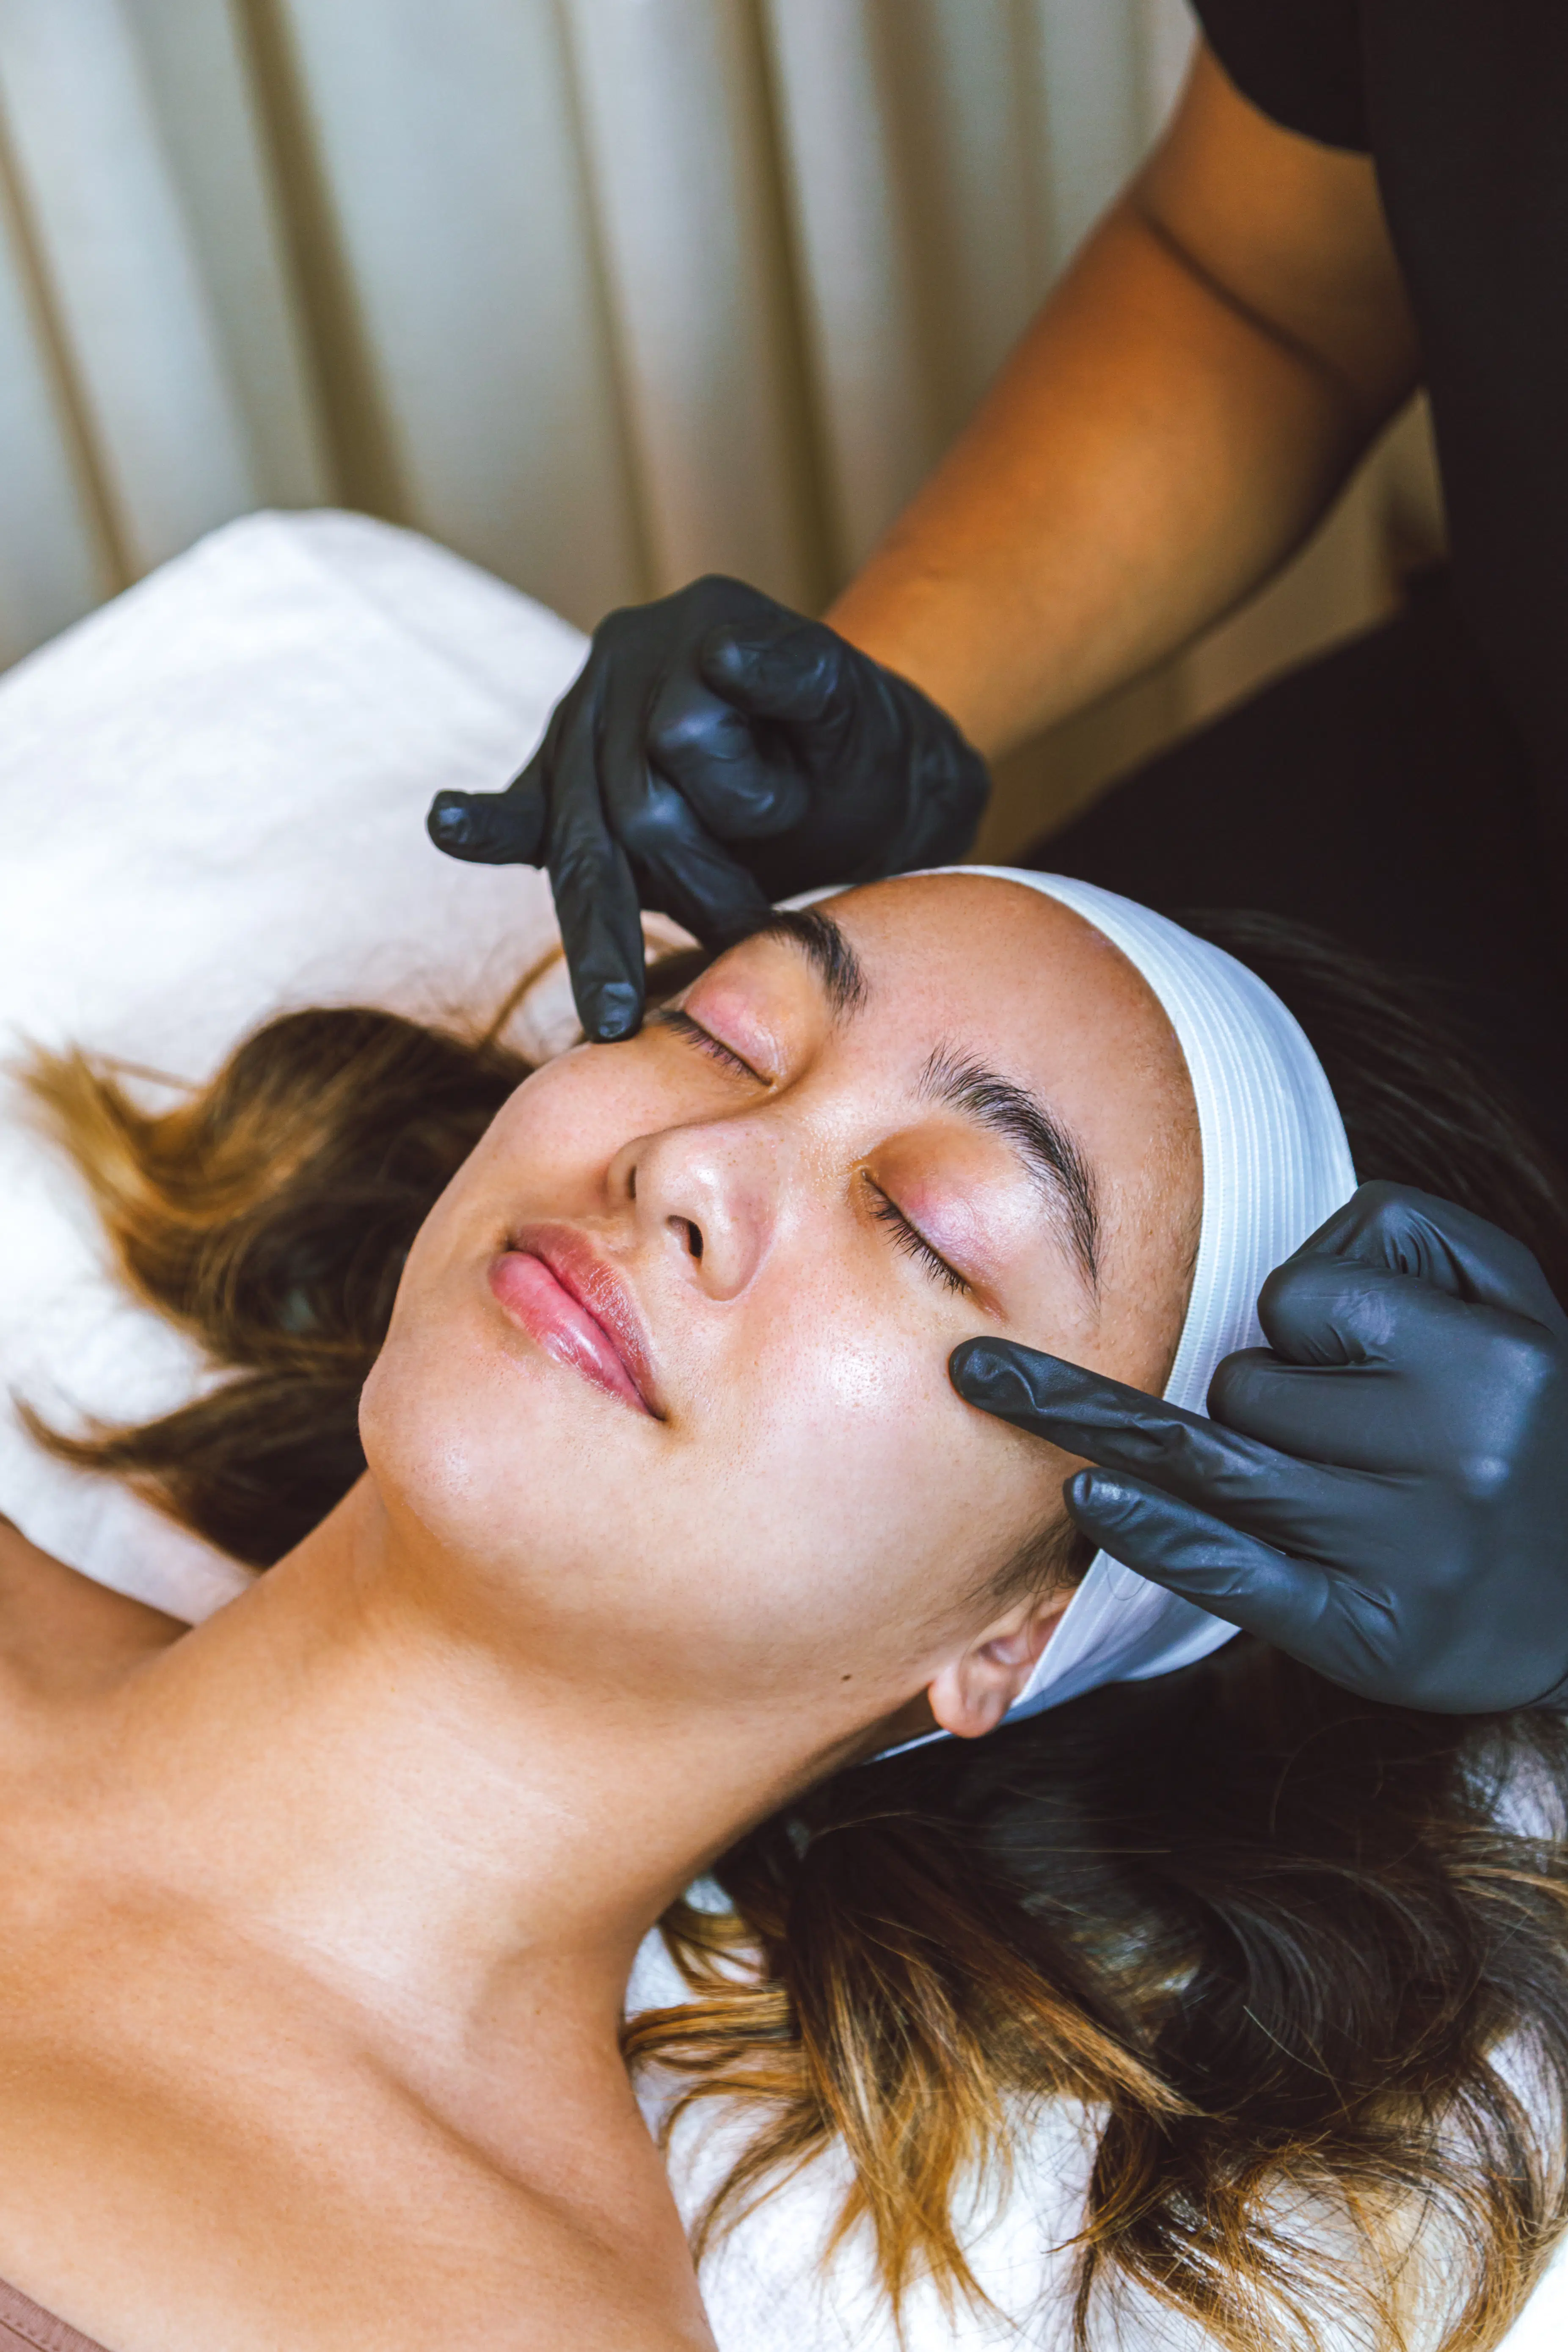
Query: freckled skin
{"x":810,"y":1497}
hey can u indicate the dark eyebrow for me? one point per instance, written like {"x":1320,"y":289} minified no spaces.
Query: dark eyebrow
{"x":826,"y":948}
{"x":1048,"y":1150}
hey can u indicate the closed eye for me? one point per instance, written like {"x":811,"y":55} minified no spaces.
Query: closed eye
{"x":912,"y":1241}
{"x":672,"y":1017}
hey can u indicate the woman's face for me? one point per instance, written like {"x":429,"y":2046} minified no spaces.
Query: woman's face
{"x":667,"y":1380}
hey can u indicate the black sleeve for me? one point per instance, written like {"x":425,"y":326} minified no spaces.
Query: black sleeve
{"x":1298,"y":61}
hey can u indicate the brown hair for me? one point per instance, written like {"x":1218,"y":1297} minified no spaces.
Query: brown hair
{"x":1278,"y":1938}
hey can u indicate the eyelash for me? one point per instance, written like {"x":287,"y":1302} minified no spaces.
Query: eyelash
{"x":912,"y":1241}
{"x":907,"y":1237}
{"x":672,"y":1017}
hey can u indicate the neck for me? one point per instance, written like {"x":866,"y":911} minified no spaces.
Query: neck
{"x":336,"y":1767}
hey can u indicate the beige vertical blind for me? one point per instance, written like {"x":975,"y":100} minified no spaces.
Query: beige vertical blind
{"x":602,"y":293}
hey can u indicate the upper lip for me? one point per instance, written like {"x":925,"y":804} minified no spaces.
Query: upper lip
{"x":601,"y":1292}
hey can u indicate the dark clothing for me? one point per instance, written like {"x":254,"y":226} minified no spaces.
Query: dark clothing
{"x":1409,"y":792}
{"x":1380,"y":794}
{"x":1299,"y":62}
{"x":1463,"y":105}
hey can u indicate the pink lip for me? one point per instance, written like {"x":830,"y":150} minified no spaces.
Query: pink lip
{"x":553,"y":1283}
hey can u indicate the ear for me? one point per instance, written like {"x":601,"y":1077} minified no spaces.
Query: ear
{"x":969,"y":1696}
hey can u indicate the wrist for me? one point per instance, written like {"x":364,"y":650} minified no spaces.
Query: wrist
{"x":917,"y":626}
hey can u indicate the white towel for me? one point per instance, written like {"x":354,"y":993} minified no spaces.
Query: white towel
{"x":213,"y":795}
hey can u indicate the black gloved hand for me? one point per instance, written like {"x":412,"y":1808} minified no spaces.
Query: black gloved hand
{"x":1382,"y":1491}
{"x":717,"y":753}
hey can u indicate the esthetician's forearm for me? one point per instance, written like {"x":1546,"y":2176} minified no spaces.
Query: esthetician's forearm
{"x":1180,"y":414}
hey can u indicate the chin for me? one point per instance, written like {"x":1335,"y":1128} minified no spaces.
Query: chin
{"x":477,"y":1450}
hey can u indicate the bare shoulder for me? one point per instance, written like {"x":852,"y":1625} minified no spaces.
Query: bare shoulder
{"x":63,"y":1634}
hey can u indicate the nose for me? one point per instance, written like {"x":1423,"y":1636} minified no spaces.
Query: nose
{"x":707,"y":1195}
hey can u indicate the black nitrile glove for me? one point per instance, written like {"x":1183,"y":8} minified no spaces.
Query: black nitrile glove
{"x":717,"y":753}
{"x":1383,"y":1490}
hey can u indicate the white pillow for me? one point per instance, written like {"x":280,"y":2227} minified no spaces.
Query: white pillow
{"x":211,"y":805}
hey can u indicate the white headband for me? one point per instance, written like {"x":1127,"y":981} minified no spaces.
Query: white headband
{"x":1276,"y":1164}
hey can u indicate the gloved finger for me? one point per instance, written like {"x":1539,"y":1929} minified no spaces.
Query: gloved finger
{"x":1473,"y":1391}
{"x":1262,"y":1491}
{"x":1365,"y":1416}
{"x":732,"y":768}
{"x":1340,"y":1628}
{"x":1106,"y":1422}
{"x":1401,"y":1230}
{"x":1233,"y":1575}
{"x":493,"y":828}
{"x":682,"y":871}
{"x":1371,"y":1370}
{"x":678,"y":867}
{"x":797,"y":673}
{"x":595,"y":896}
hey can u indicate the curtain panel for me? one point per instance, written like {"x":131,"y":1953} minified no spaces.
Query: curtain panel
{"x":601,"y":293}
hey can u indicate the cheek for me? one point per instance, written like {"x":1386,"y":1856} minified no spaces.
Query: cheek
{"x":544,"y":1128}
{"x":864,"y":1495}
{"x":577,"y":1113}
{"x":546,"y":1501}
{"x":545,"y":1153}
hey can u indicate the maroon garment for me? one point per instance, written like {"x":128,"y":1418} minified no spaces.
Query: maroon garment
{"x":24,"y":2328}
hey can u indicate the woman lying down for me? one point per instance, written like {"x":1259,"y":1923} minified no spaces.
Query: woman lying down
{"x":315,"y":1922}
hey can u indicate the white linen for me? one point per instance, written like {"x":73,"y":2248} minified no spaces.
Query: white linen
{"x":212,"y":795}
